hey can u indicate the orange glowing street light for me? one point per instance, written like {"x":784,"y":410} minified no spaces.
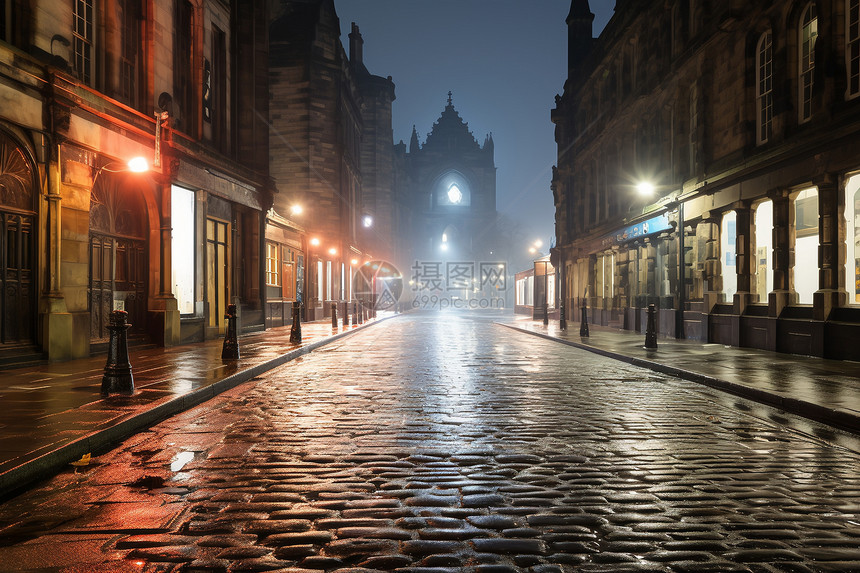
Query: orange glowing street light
{"x":138,"y":165}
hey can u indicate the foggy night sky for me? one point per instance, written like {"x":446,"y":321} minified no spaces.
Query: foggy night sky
{"x":504,"y":61}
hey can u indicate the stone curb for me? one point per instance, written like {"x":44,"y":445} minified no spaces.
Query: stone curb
{"x":102,"y":440}
{"x":835,"y":417}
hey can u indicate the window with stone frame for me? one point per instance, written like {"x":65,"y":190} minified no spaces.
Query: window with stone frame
{"x":694,"y":129}
{"x":128,"y":63}
{"x":764,"y":88}
{"x":852,"y":47}
{"x":84,"y":36}
{"x":808,"y":32}
{"x":183,"y":66}
{"x":273,"y":264}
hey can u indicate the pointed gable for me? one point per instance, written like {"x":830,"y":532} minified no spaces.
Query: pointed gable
{"x":450,"y":132}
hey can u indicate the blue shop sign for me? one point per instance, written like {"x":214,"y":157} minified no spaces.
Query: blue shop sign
{"x":647,"y":227}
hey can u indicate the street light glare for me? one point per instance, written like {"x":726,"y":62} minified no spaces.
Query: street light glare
{"x":138,"y":165}
{"x":296,"y":209}
{"x":645,"y":188}
{"x":367,"y":221}
{"x":315,"y":242}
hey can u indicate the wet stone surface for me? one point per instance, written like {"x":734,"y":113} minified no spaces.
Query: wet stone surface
{"x":442,"y":443}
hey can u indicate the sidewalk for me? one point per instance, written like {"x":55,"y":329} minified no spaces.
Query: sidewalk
{"x":826,"y":391}
{"x":52,"y":415}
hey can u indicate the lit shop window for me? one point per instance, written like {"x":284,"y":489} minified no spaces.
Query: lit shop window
{"x":806,"y":244}
{"x":728,"y":237}
{"x":852,"y":234}
{"x":273,"y":265}
{"x":182,"y":247}
{"x":763,"y":249}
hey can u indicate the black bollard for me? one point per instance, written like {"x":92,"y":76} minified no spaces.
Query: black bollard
{"x":117,"y":378}
{"x":361,"y":314}
{"x":296,"y":328}
{"x":334,"y":315}
{"x":651,"y":329}
{"x":545,"y":313}
{"x":562,"y":319}
{"x":583,"y":326}
{"x":345,"y":314}
{"x":230,"y":350}
{"x":354,"y":313}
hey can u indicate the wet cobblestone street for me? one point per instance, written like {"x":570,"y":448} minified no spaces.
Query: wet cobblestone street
{"x":434,"y":443}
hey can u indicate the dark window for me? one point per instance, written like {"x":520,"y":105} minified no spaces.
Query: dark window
{"x":83,"y":33}
{"x":219,"y":90}
{"x":128,"y":63}
{"x":183,"y":67}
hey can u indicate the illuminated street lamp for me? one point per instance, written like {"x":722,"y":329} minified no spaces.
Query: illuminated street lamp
{"x":645,"y":188}
{"x":138,"y":165}
{"x":134,"y":165}
{"x":367,"y":221}
{"x":296,"y":210}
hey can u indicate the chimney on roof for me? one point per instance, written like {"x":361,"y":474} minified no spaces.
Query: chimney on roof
{"x":356,"y":46}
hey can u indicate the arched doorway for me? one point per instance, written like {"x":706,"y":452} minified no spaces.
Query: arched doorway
{"x":17,"y":243}
{"x":118,"y":256}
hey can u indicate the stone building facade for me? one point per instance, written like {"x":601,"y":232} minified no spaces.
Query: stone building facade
{"x":85,"y":87}
{"x":707,"y":164}
{"x":331,"y":157}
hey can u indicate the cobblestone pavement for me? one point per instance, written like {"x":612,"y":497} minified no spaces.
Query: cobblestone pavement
{"x":438,"y":443}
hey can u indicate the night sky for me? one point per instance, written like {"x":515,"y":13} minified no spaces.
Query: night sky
{"x":504,"y":61}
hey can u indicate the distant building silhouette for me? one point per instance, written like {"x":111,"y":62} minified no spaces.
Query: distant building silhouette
{"x":450,"y":191}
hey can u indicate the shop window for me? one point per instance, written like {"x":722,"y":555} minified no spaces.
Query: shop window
{"x":319,"y":280}
{"x":806,"y":244}
{"x":661,"y":268}
{"x":550,"y":289}
{"x":608,"y":268}
{"x":182,"y":247}
{"x":273,"y":264}
{"x":852,"y":46}
{"x":806,"y":57}
{"x":852,"y":234}
{"x":764,"y":250}
{"x":728,"y":244}
{"x":764,"y":88}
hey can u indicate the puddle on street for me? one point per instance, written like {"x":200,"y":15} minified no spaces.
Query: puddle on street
{"x":179,"y":460}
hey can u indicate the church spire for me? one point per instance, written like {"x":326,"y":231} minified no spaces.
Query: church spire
{"x":579,"y":21}
{"x":413,"y":142}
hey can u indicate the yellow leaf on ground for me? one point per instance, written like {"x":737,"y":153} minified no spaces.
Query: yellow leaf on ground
{"x":84,"y":461}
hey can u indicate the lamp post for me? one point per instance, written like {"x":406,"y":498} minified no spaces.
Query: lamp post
{"x":118,"y":377}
